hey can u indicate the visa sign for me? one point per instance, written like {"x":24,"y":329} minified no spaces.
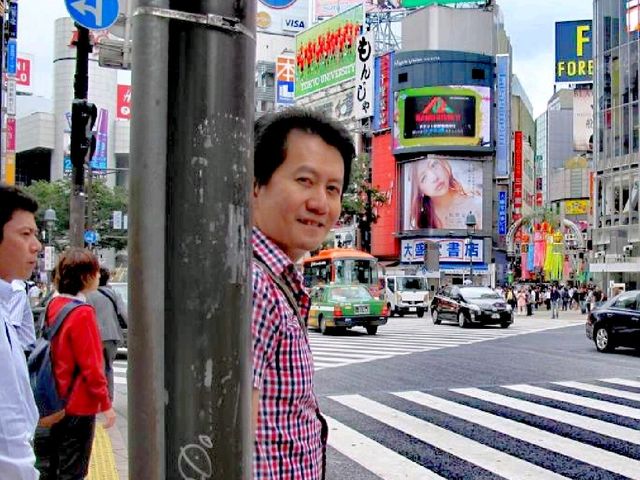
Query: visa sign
{"x":293,"y":24}
{"x":574,"y":51}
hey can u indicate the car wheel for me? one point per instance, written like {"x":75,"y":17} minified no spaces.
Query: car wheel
{"x":323,"y":327}
{"x":462,"y":320}
{"x":372,"y":329}
{"x":435,"y":318}
{"x":602,"y":339}
{"x":505,"y":324}
{"x":420,"y":313}
{"x":398,"y":312}
{"x":391,"y":311}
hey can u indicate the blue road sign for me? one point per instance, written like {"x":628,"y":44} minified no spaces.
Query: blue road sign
{"x":90,"y":236}
{"x":93,"y":14}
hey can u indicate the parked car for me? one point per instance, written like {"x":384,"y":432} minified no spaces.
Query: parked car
{"x":338,"y":307}
{"x":470,"y":306}
{"x":616,"y":323}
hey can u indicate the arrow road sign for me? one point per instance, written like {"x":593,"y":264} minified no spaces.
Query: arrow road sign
{"x":93,"y":14}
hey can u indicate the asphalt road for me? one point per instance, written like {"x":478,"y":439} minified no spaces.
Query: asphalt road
{"x":420,"y":401}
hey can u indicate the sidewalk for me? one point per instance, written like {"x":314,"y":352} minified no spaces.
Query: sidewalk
{"x":569,"y":315}
{"x":109,"y":455}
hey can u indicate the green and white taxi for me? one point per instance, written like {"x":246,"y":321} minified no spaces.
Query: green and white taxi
{"x":338,"y":307}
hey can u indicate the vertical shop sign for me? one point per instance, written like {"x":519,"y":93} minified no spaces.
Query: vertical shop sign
{"x":503,"y":114}
{"x":285,"y":80}
{"x":11,"y":134}
{"x":517,"y":170}
{"x":363,"y":91}
{"x":502,"y":213}
{"x":383,"y":95}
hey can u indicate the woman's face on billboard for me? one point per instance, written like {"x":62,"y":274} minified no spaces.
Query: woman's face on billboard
{"x":433,"y":177}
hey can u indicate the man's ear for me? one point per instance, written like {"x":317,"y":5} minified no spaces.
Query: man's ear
{"x":256,"y":188}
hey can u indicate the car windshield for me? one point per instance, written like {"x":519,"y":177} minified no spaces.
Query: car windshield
{"x":411,"y":283}
{"x":345,"y":294}
{"x":479,"y":294}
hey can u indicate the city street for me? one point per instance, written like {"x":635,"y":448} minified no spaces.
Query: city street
{"x":422,"y":401}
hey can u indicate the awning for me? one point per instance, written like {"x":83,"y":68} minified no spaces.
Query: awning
{"x":463,"y":269}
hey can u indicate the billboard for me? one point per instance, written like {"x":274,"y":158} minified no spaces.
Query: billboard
{"x":363,"y":91}
{"x":576,"y":207}
{"x":426,"y":3}
{"x":285,"y":80}
{"x":329,"y":8}
{"x":123,"y":102}
{"x":458,"y":115}
{"x":502,"y":212}
{"x":23,"y":74}
{"x":282,"y":17}
{"x":452,"y":250}
{"x":574,"y":51}
{"x":583,"y":120}
{"x":517,"y":170}
{"x":503,"y":115}
{"x":633,"y":16}
{"x":326,"y":52}
{"x":439,"y":192}
{"x":383,"y":93}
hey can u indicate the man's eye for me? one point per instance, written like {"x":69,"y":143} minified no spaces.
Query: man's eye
{"x":304,"y":180}
{"x":334,"y":189}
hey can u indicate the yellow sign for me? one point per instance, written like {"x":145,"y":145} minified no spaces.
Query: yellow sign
{"x":576,"y":207}
{"x":10,"y":168}
{"x":263,"y":20}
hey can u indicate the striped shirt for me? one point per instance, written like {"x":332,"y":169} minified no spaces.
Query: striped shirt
{"x":291,"y":434}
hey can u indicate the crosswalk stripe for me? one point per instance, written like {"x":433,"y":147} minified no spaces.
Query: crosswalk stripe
{"x":580,"y":421}
{"x":622,"y":381}
{"x":376,"y":458}
{"x":119,"y":370}
{"x":474,"y":452}
{"x":550,"y":441}
{"x":604,"y":390}
{"x":600,"y":405}
{"x":120,"y":380}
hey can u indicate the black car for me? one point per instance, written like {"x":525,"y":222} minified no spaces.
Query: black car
{"x":616,"y":323}
{"x":470,"y":306}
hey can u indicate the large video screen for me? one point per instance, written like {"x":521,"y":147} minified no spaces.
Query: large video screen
{"x":443,"y":116}
{"x":440,"y":191}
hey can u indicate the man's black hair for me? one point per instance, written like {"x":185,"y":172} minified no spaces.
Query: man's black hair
{"x":105,"y":275}
{"x":12,"y":199}
{"x":271,"y":132}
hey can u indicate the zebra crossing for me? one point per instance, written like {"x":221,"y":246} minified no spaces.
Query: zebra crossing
{"x":399,"y":337}
{"x":565,"y":429}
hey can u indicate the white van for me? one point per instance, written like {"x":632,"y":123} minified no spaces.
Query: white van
{"x":406,"y":294}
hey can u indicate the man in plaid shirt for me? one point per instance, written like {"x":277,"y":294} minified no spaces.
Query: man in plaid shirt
{"x":302,"y":162}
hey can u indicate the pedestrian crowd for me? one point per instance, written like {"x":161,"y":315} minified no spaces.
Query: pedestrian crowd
{"x":525,"y":299}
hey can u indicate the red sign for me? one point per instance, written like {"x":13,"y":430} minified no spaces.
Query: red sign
{"x":383,"y":90}
{"x":517,"y":170}
{"x":23,"y":72}
{"x":11,"y":134}
{"x":538,"y":199}
{"x":124,"y":102}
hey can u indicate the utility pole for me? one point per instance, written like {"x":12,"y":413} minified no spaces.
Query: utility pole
{"x":189,"y":239}
{"x":83,"y":116}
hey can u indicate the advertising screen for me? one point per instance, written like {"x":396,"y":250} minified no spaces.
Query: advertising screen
{"x":439,"y":192}
{"x":443,"y":116}
{"x":326,"y":52}
{"x":583,"y":120}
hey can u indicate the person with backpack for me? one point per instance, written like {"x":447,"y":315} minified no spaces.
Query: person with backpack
{"x":64,"y":449}
{"x":112,"y":319}
{"x":19,"y":247}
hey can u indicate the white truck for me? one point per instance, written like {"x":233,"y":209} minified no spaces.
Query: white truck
{"x":406,"y":294}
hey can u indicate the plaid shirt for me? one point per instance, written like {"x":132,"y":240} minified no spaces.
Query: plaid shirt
{"x":291,"y":434}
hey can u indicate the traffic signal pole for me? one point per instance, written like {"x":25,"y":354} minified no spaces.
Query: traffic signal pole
{"x":189,"y":239}
{"x":78,"y":155}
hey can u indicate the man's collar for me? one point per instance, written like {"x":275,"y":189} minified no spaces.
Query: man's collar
{"x":6,"y":291}
{"x":270,"y":253}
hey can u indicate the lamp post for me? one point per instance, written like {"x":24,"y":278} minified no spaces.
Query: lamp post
{"x":471,"y":228}
{"x":50,"y":219}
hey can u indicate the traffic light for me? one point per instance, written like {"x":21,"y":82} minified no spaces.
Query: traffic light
{"x":83,"y":118}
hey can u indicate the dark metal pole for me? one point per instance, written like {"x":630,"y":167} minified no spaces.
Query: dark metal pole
{"x":80,"y":92}
{"x":208,"y":255}
{"x":470,"y":257}
{"x":147,"y":186}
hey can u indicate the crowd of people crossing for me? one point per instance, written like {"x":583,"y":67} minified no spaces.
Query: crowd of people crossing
{"x":525,"y":299}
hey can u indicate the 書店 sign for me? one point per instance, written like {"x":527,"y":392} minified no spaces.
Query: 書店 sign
{"x":455,"y":250}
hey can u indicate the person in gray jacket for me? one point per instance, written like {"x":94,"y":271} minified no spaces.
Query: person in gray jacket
{"x":108,"y":305}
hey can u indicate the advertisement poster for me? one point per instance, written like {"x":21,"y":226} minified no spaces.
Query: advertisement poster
{"x":23,"y":74}
{"x":452,"y":250}
{"x":364,"y":79}
{"x":574,"y":51}
{"x":517,"y":170}
{"x":326,"y":52}
{"x":123,"y":104}
{"x":443,"y":116}
{"x":503,"y":115}
{"x":576,"y":207}
{"x":439,"y":192}
{"x":282,"y":17}
{"x":583,"y":120}
{"x":383,"y":105}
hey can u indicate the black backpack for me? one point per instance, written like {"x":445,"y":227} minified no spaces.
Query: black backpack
{"x":43,"y":383}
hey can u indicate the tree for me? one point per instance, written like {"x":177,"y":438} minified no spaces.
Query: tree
{"x":354,"y":201}
{"x":103,"y":200}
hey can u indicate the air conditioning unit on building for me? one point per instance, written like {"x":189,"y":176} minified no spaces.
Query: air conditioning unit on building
{"x":114,"y":54}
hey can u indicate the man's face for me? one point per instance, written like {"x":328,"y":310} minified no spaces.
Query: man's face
{"x":19,"y":247}
{"x":302,"y":200}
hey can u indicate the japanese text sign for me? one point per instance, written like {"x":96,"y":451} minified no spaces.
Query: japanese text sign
{"x":364,"y":84}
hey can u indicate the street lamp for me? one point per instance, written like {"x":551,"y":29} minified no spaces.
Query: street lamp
{"x":50,"y":219}
{"x":471,"y":228}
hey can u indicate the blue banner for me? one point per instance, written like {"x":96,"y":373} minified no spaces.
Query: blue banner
{"x":503,"y":116}
{"x":99,"y":160}
{"x":12,"y":56}
{"x":502,"y":213}
{"x":574,"y":51}
{"x":285,"y":93}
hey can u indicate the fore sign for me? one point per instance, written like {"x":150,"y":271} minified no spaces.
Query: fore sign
{"x":574,"y":51}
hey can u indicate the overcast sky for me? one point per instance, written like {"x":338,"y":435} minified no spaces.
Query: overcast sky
{"x":529,"y":24}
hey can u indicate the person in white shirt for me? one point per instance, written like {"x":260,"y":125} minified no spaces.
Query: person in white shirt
{"x":22,"y":316}
{"x":19,"y":247}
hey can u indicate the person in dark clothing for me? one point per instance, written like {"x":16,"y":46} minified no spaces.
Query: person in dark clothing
{"x":555,"y":300}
